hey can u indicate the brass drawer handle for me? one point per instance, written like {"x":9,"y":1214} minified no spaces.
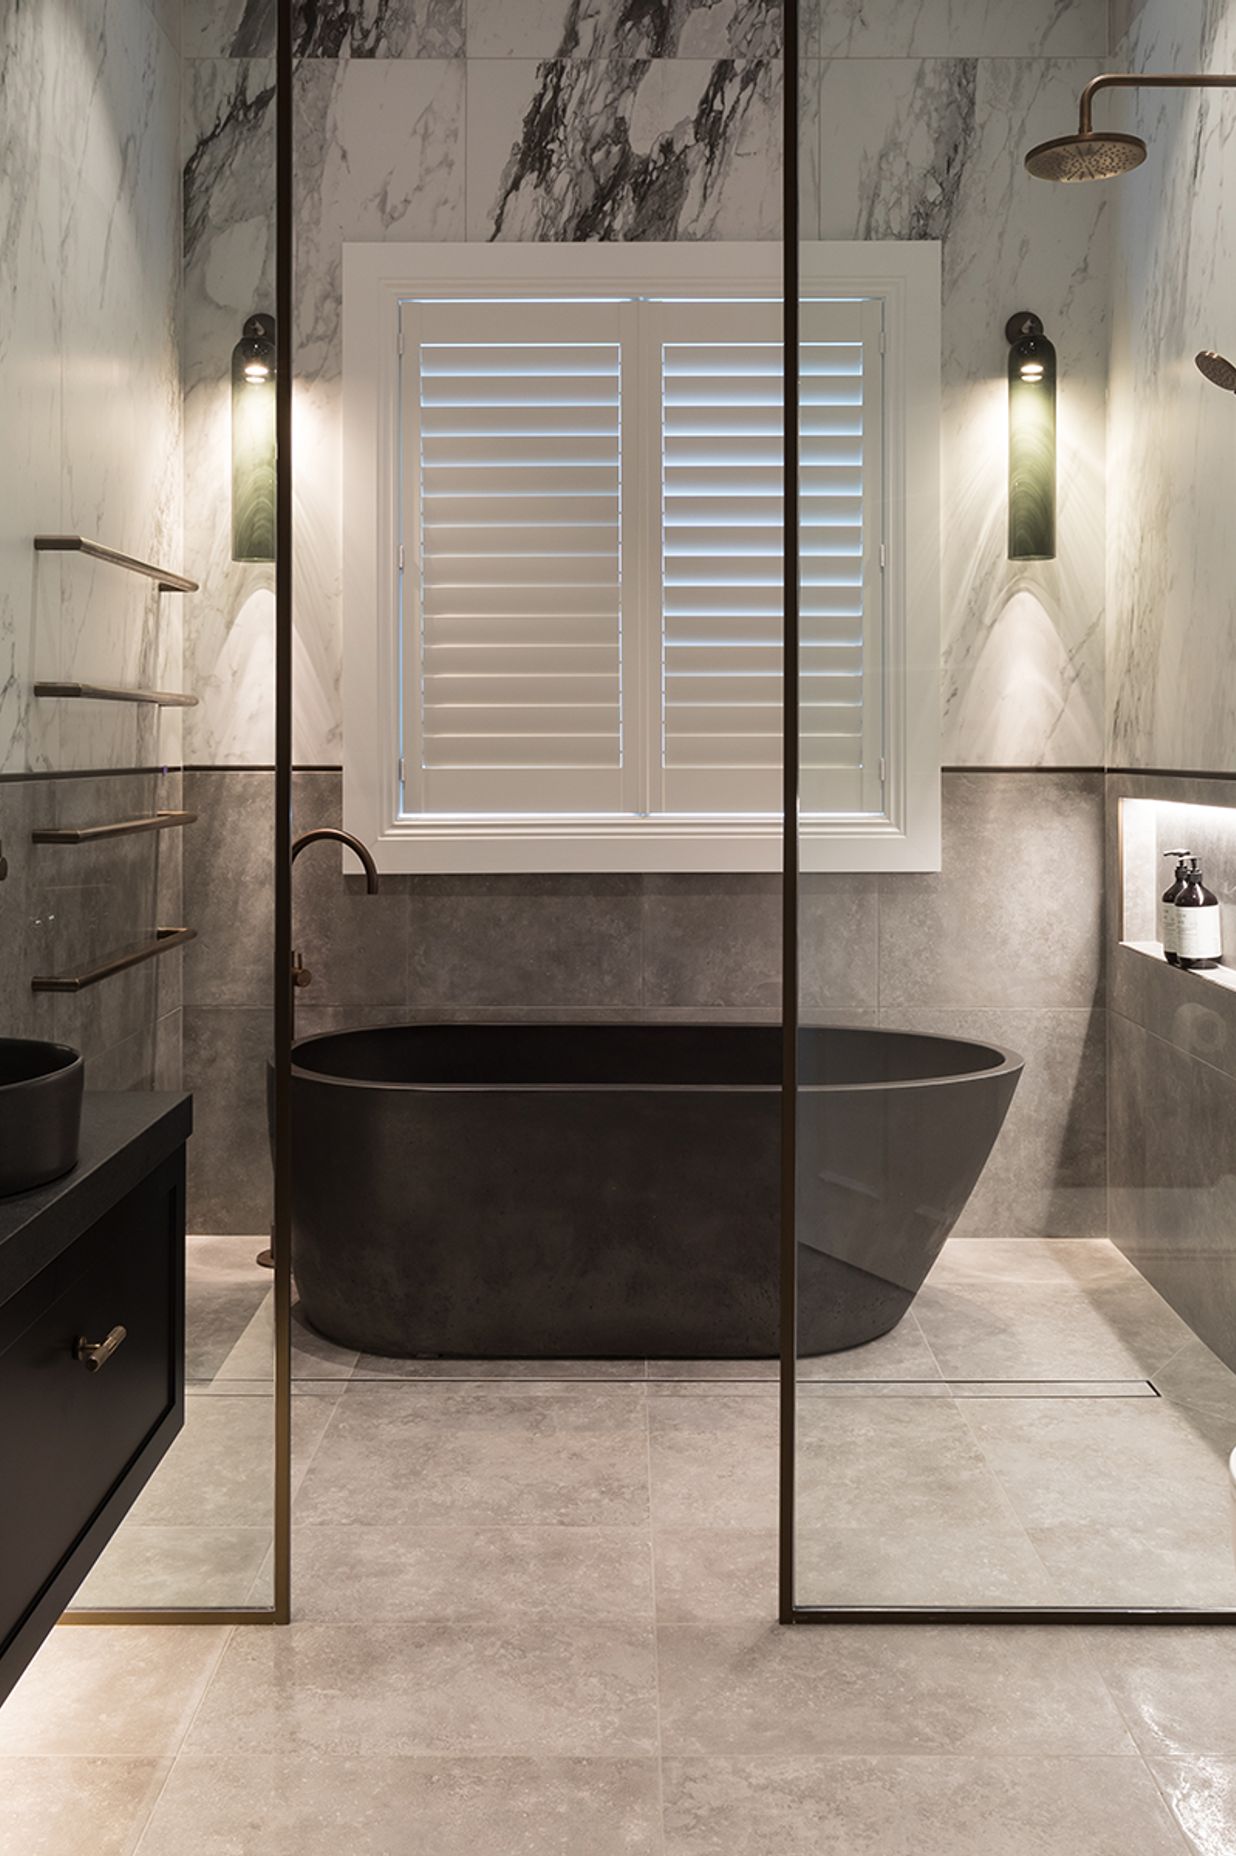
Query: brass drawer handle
{"x":94,"y":1354}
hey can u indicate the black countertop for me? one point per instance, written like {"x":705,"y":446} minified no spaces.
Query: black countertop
{"x":125,"y":1134}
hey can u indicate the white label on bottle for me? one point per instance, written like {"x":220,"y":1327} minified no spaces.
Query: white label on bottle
{"x":1167,"y":927}
{"x":1197,"y":933}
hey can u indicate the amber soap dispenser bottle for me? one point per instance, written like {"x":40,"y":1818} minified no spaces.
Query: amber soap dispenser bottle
{"x":1167,"y":905}
{"x":1199,"y":940}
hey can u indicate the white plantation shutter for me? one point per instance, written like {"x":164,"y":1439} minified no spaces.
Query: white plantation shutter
{"x":592,"y":513}
{"x":513,"y":558}
{"x":720,"y":369}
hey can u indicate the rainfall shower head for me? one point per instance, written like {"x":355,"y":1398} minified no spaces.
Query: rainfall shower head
{"x":1089,"y":155}
{"x":1218,"y":369}
{"x":1086,"y":157}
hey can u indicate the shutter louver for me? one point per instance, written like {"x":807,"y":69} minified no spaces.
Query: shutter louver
{"x":516,"y":690}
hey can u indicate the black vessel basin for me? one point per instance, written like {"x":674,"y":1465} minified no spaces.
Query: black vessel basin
{"x":40,"y":1112}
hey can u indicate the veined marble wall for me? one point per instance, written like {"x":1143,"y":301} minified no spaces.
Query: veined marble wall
{"x":924,"y":115}
{"x":577,"y":119}
{"x":1172,"y":590}
{"x":90,"y":406}
{"x":89,"y":370}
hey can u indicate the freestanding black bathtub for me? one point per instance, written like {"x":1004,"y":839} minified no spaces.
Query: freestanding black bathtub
{"x":593,"y":1191}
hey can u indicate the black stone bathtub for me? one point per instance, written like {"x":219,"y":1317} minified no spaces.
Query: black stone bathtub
{"x":592,"y":1191}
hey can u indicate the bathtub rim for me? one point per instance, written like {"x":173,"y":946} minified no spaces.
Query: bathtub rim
{"x":1008,"y":1062}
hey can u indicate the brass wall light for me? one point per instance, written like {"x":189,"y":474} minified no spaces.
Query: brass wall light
{"x":1032,"y":440}
{"x":253,"y":442}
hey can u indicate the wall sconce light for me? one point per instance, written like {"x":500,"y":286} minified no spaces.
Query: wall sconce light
{"x":1032,"y":440}
{"x":253,"y":442}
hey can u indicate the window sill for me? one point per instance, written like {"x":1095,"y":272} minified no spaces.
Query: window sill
{"x":589,"y":845}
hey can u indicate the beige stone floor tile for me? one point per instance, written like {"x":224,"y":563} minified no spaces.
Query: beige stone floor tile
{"x":421,"y":1807}
{"x":920,"y":1566}
{"x":904,"y":1465}
{"x":471,"y":1574}
{"x":715,"y":1575}
{"x":915,"y":1807}
{"x":1176,"y":1688}
{"x":765,"y":1688}
{"x":378,"y":1367}
{"x":76,"y":1807}
{"x":1163,"y":1563}
{"x":123,"y":1691}
{"x":421,"y":1455}
{"x":713,"y":1460}
{"x":219,"y":1471}
{"x":1201,"y":1794}
{"x":1106,"y":1463}
{"x":175,"y":1566}
{"x":578,"y":1689}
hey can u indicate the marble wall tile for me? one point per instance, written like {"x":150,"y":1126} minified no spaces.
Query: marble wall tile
{"x":229,"y":259}
{"x":623,"y":29}
{"x":327,"y":28}
{"x":1170,"y":585}
{"x":623,"y":148}
{"x":29,"y":383}
{"x":380,"y":151}
{"x":956,"y":29}
{"x":931,"y":149}
{"x":89,"y":268}
{"x":117,"y":101}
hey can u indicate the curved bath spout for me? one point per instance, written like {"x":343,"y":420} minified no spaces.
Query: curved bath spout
{"x":341,"y":837}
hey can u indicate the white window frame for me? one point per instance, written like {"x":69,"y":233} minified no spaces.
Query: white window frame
{"x":905,"y":276}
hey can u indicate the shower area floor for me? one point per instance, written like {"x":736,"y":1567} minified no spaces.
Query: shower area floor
{"x":534,"y":1604}
{"x":1040,"y":1429}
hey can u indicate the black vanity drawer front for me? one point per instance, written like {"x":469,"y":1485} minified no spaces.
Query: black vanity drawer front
{"x":68,"y":1433}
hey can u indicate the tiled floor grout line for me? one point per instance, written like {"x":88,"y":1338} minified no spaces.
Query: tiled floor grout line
{"x":656,"y":1643}
{"x":1187,"y":1842}
{"x":228,"y":1631}
{"x":959,"y":1406}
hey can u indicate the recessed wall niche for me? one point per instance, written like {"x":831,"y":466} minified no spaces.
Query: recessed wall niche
{"x":1150,"y":829}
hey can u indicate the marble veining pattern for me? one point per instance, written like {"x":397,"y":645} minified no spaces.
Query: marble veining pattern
{"x":607,"y":119}
{"x":931,"y":149}
{"x":89,"y":373}
{"x":229,"y":263}
{"x":327,"y":28}
{"x":623,"y":28}
{"x":1170,"y":590}
{"x":955,"y":28}
{"x":618,"y":149}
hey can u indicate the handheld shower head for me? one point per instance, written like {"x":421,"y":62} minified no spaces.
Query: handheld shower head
{"x":1086,"y":156}
{"x":1217,"y":369}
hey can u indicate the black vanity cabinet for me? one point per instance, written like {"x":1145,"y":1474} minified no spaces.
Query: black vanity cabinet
{"x":92,"y":1304}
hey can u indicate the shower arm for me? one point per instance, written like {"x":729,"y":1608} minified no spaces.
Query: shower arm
{"x":1133,"y":80}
